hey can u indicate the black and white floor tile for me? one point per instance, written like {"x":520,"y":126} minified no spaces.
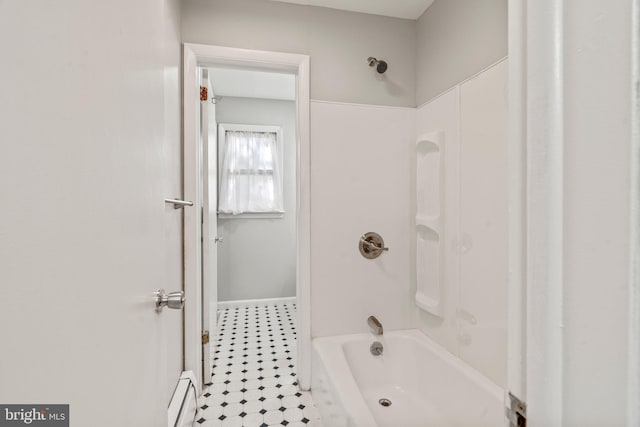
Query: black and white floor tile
{"x":254,"y":375}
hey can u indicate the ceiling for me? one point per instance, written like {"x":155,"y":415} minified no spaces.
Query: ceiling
{"x":252,"y":84}
{"x":408,"y":9}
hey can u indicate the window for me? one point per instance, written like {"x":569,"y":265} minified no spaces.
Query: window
{"x":250,"y":170}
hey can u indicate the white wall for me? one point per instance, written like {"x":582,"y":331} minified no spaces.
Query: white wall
{"x":258,"y":256}
{"x":338,"y":42}
{"x":89,"y":147}
{"x":473,"y":117}
{"x":359,"y":183}
{"x":455,"y":40}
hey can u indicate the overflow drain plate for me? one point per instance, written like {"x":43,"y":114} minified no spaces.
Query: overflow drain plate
{"x":384,"y":402}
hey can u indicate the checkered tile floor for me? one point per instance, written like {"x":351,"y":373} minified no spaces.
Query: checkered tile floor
{"x":254,"y":378}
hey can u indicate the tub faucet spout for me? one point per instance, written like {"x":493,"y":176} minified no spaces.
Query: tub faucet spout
{"x":375,"y":325}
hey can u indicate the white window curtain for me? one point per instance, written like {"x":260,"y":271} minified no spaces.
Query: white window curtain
{"x":250,"y":180}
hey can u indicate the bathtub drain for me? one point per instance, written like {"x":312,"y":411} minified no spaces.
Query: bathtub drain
{"x":384,"y":402}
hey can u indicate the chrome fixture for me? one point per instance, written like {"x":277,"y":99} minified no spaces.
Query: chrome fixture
{"x":376,"y":348}
{"x":384,"y":402}
{"x":371,"y":245}
{"x":172,"y":300}
{"x":381,"y":66}
{"x":178,"y":204}
{"x":375,"y":325}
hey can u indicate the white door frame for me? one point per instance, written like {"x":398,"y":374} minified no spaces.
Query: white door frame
{"x":195,"y":55}
{"x":633,"y":392}
{"x":536,"y":207}
{"x":517,"y":202}
{"x":209,"y":220}
{"x":539,"y":45}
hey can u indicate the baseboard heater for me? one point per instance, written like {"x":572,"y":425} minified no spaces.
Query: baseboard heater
{"x":184,"y":402}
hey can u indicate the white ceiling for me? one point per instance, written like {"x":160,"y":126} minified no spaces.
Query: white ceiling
{"x":252,"y":84}
{"x":408,"y":9}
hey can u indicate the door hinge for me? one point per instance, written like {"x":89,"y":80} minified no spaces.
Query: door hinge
{"x":516,"y":412}
{"x":204,"y":93}
{"x":205,"y":337}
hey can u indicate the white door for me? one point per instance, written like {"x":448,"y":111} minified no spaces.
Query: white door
{"x":85,"y":235}
{"x":208,"y":138}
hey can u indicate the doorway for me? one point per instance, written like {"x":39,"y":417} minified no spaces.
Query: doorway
{"x":256,"y":176}
{"x":198,"y":312}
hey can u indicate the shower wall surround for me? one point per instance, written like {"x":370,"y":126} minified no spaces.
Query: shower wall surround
{"x":359,"y":183}
{"x":471,"y":322}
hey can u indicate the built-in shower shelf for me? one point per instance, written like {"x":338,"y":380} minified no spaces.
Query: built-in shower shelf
{"x":436,"y":138}
{"x":431,"y":305}
{"x":429,"y":184}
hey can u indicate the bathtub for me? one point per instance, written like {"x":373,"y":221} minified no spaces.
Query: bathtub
{"x":426,"y":385}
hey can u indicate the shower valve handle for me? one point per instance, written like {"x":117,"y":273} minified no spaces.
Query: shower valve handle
{"x":371,"y":245}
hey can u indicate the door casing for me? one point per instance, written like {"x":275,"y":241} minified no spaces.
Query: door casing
{"x":194,"y":56}
{"x":554,"y":300}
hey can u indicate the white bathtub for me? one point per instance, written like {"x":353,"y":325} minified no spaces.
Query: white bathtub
{"x":427,"y":385}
